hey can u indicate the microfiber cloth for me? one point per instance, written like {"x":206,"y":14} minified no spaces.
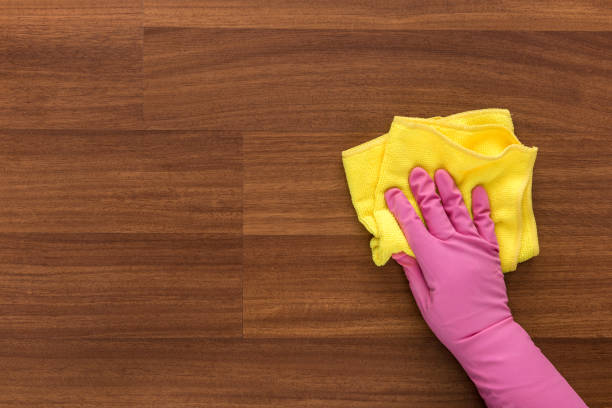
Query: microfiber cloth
{"x":476,"y":147}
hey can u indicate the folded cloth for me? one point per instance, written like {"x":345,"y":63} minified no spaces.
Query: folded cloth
{"x":476,"y":147}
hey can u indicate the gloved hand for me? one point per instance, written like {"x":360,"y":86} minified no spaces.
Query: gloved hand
{"x":459,"y":288}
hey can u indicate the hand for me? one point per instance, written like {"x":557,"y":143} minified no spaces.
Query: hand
{"x":456,"y":278}
{"x":459,"y":288}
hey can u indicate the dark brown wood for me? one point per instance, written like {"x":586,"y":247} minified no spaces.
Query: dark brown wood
{"x":294,"y":184}
{"x":388,"y":15}
{"x":121,"y":181}
{"x":95,"y":285}
{"x":71,"y":64}
{"x":355,"y":81}
{"x":175,"y":227}
{"x":324,"y":286}
{"x":362,"y":373}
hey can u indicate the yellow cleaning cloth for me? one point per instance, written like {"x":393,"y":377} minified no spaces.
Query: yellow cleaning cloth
{"x":476,"y":147}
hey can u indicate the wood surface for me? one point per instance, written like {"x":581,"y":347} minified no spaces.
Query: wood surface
{"x":176,"y":230}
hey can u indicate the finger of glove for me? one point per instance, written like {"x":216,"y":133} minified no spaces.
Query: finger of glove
{"x":418,"y":284}
{"x":481,"y":210}
{"x":453,"y":204}
{"x":424,"y":191}
{"x":407,"y":218}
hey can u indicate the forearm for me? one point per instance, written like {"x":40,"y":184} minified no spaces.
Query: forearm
{"x":510,"y":371}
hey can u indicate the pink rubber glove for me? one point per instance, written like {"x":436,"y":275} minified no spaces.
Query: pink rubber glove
{"x":459,"y":288}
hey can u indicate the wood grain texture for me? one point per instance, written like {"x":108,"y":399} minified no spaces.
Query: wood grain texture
{"x":229,"y":373}
{"x":355,"y":81}
{"x":175,"y":228}
{"x":323,"y":286}
{"x":118,"y":181}
{"x":69,"y":64}
{"x":68,"y":286}
{"x":294,"y":184}
{"x":377,"y":15}
{"x":264,"y":373}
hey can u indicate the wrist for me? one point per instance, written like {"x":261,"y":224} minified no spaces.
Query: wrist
{"x":472,"y":351}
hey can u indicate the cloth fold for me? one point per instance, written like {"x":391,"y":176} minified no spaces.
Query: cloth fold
{"x":476,"y":147}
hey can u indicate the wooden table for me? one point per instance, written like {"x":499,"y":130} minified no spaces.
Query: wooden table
{"x":175,"y":228}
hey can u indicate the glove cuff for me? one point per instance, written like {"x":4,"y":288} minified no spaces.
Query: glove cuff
{"x":509,"y":370}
